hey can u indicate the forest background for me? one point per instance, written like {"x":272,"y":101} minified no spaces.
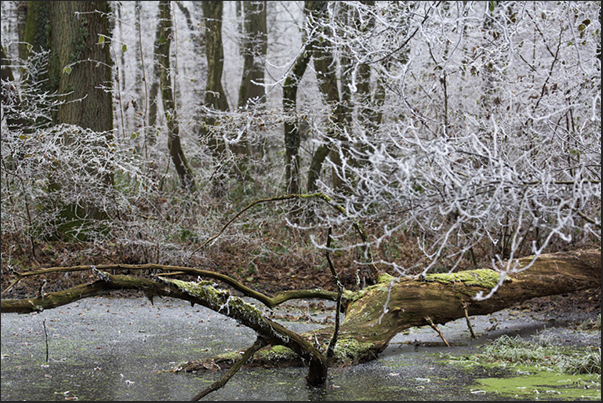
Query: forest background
{"x":427,"y":136}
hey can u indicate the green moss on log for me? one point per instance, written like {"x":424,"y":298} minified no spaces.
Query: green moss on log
{"x":276,"y":353}
{"x":482,"y":278}
{"x":349,"y":348}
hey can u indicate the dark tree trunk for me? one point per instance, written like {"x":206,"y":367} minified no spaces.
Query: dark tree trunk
{"x":292,"y":139}
{"x":252,"y":93}
{"x":326,"y":73}
{"x":215,"y":97}
{"x":152,"y":129}
{"x":290,"y":87}
{"x":82,"y":64}
{"x":254,"y":46}
{"x":183,"y":168}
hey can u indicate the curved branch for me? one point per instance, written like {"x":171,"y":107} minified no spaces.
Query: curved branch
{"x":278,"y":299}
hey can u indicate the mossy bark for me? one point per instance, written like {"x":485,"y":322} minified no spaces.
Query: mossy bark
{"x":366,"y":330}
{"x":410,"y":301}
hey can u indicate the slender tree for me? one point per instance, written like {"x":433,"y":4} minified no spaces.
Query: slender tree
{"x":290,"y":88}
{"x":328,"y":83}
{"x":215,"y":97}
{"x":253,"y":47}
{"x":151,"y":129}
{"x":183,"y":168}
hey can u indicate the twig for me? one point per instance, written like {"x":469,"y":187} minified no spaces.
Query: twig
{"x":331,"y":349}
{"x":428,"y":319}
{"x":468,"y":321}
{"x":46,"y":338}
{"x":11,"y":285}
{"x":259,"y":343}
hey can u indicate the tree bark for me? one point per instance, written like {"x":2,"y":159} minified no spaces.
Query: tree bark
{"x":36,"y":38}
{"x":254,"y":47}
{"x":80,"y":71}
{"x":82,"y":63}
{"x":292,"y":139}
{"x":252,"y":93}
{"x":151,"y":130}
{"x":215,"y":97}
{"x":328,"y":83}
{"x":183,"y":168}
{"x":290,"y":87}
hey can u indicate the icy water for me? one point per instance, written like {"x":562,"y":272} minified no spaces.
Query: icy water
{"x":118,"y":349}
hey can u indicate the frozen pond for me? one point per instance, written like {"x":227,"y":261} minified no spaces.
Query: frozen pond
{"x":118,"y":349}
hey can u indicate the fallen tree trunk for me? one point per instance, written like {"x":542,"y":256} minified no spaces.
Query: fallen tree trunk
{"x":376,"y":314}
{"x":373,"y":315}
{"x":441,"y":297}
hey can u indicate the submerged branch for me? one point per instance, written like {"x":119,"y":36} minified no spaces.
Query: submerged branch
{"x":259,"y":343}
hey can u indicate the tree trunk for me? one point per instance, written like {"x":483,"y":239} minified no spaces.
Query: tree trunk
{"x":82,"y":63}
{"x":316,"y":167}
{"x":368,"y":106}
{"x":326,"y":73}
{"x":183,"y":168}
{"x":36,"y":38}
{"x":292,"y":139}
{"x":151,"y":129}
{"x":252,"y":93}
{"x":215,"y":97}
{"x":80,"y":69}
{"x":292,"y":135}
{"x":254,"y":47}
{"x":366,"y":330}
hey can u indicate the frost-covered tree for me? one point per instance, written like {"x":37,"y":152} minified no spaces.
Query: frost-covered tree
{"x":490,"y":135}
